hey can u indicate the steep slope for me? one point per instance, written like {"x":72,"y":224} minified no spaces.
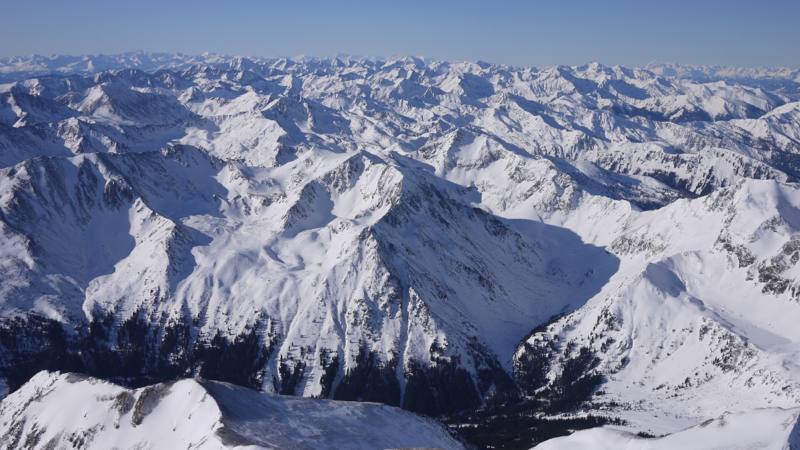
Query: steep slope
{"x":199,"y":414}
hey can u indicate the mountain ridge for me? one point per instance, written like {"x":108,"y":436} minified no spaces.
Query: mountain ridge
{"x":200,"y":414}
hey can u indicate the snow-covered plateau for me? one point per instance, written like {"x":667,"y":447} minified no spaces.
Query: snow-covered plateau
{"x":519,"y":252}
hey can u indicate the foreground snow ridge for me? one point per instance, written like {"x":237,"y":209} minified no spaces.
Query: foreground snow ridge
{"x":764,"y":429}
{"x":55,"y":410}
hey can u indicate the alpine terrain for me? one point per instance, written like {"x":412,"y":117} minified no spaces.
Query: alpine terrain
{"x":517,"y":252}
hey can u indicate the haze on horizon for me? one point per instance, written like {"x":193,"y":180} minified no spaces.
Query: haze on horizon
{"x":518,"y":32}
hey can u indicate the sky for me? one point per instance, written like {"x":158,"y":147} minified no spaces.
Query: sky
{"x":518,"y":32}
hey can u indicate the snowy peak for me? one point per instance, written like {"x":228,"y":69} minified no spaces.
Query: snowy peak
{"x":117,"y":103}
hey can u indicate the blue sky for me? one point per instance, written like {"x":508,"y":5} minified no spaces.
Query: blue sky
{"x":732,"y":32}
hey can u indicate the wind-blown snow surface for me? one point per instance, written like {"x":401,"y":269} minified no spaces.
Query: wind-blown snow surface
{"x":55,"y":410}
{"x":767,"y":429}
{"x":427,"y":234}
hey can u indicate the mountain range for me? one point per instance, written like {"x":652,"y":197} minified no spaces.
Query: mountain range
{"x":503,"y":248}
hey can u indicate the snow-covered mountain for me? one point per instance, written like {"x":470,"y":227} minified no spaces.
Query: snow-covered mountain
{"x":55,"y":410}
{"x":446,"y":237}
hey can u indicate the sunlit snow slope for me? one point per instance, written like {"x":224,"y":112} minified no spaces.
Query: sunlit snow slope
{"x":764,"y":429}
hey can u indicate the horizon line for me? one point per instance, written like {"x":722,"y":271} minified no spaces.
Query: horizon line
{"x":384,"y":58}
